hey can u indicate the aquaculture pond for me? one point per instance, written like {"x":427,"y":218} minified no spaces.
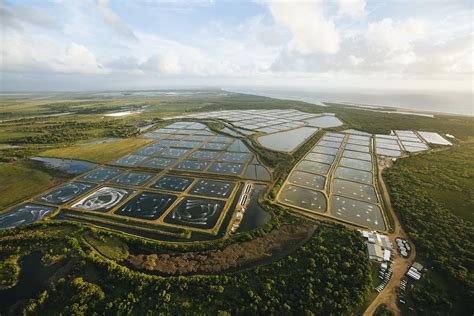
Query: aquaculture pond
{"x":24,"y":214}
{"x":103,"y":200}
{"x":307,"y":180}
{"x":65,"y":193}
{"x":69,"y":166}
{"x":310,"y":200}
{"x":358,"y":212}
{"x":255,"y":216}
{"x":196,"y":213}
{"x":324,"y":121}
{"x":147,"y":205}
{"x":287,"y":141}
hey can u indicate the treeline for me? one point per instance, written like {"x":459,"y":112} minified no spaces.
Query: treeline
{"x":72,"y":131}
{"x":444,"y":239}
{"x":329,"y":275}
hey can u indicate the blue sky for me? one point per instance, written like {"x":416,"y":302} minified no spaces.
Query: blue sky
{"x":312,"y":44}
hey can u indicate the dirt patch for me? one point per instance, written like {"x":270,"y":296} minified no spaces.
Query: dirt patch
{"x":233,"y":256}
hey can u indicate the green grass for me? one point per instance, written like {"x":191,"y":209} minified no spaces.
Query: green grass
{"x":108,"y":246}
{"x":99,"y":153}
{"x":20,"y":180}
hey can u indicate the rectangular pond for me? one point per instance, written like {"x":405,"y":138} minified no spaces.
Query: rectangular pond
{"x":196,"y":213}
{"x":354,"y":190}
{"x":172,"y":183}
{"x":226,"y":168}
{"x":287,"y":141}
{"x":24,"y":214}
{"x":102,"y":174}
{"x":358,"y":212}
{"x":134,"y":178}
{"x":158,"y":163}
{"x":356,"y":164}
{"x":434,"y":138}
{"x":307,"y":180}
{"x":147,"y":205}
{"x":313,"y":167}
{"x":65,"y":192}
{"x":329,"y":159}
{"x":103,"y":199}
{"x":354,"y":175}
{"x":212,"y":188}
{"x":357,"y":155}
{"x":310,"y":200}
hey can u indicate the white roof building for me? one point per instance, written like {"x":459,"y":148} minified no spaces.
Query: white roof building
{"x":375,"y":252}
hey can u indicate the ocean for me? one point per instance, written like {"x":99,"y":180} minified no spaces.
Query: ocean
{"x":435,"y":102}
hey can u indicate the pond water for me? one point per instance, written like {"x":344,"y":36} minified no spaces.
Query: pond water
{"x":329,"y":159}
{"x":212,"y":188}
{"x":364,"y":149}
{"x":195,"y":212}
{"x":172,"y":183}
{"x":69,"y":166}
{"x":147,"y":205}
{"x":287,"y":141}
{"x":65,"y":193}
{"x":434,"y":138}
{"x":32,"y":278}
{"x":310,"y":200}
{"x":255,"y":216}
{"x":103,"y":200}
{"x":226,"y":168}
{"x":357,"y":212}
{"x":354,"y":190}
{"x":134,"y":178}
{"x":388,"y":152}
{"x":313,"y":167}
{"x":356,"y":164}
{"x":357,"y":155}
{"x":354,"y":175}
{"x":24,"y":214}
{"x":102,"y":174}
{"x":324,"y":121}
{"x":308,"y":180}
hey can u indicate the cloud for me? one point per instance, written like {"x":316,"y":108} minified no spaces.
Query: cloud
{"x":30,"y":53}
{"x":389,"y":37}
{"x":166,"y":64}
{"x":311,"y":31}
{"x":113,"y":20}
{"x":352,"y":8}
{"x":15,"y":16}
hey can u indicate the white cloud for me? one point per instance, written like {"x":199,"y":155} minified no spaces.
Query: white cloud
{"x":27,"y":52}
{"x":166,"y":64}
{"x":352,"y":8}
{"x":311,"y":31}
{"x":355,"y":61}
{"x":389,"y":37}
{"x":113,"y":20}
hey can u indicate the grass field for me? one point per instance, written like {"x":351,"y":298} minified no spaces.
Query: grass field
{"x":20,"y":180}
{"x":99,"y":153}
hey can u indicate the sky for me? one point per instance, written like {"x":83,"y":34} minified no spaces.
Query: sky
{"x":314,"y":44}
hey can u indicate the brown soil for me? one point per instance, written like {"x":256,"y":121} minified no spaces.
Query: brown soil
{"x":231,"y":257}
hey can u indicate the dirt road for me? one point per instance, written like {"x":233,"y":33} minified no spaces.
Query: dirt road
{"x":388,"y":295}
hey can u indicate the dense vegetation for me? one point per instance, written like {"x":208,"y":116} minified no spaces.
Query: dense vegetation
{"x":432,"y":193}
{"x":328,"y":275}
